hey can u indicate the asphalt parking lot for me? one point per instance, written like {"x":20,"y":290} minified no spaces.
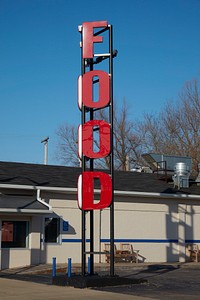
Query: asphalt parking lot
{"x":160,"y":281}
{"x":163,"y":282}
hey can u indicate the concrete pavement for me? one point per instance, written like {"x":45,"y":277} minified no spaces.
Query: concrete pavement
{"x":11,"y":289}
{"x":164,"y":281}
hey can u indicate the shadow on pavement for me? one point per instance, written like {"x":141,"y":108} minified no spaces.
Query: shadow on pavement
{"x":127,"y":275}
{"x":152,"y":270}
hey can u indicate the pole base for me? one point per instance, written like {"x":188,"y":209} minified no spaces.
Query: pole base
{"x":79,"y":281}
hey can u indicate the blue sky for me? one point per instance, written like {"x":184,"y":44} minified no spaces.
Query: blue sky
{"x":158,"y":43}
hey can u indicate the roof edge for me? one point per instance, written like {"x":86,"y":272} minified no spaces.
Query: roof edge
{"x":160,"y":195}
{"x":37,"y":187}
{"x":116,"y":192}
{"x":27,"y":211}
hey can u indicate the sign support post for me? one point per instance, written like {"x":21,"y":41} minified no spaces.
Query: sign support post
{"x":91,"y":33}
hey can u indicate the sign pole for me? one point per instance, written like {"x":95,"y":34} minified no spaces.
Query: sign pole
{"x":88,"y":152}
{"x":111,"y":155}
{"x":83,"y":214}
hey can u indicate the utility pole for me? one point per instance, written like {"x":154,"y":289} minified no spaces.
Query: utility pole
{"x":45,"y":141}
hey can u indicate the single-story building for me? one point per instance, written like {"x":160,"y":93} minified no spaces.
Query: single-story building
{"x":40,"y":218}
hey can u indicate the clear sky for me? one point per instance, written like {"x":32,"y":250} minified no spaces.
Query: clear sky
{"x":158,"y":43}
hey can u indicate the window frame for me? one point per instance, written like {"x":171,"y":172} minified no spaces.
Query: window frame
{"x":26,"y":237}
{"x":58,"y":238}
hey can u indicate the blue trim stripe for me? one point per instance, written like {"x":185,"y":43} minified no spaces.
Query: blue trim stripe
{"x":141,"y":240}
{"x":192,"y":241}
{"x":133,"y":241}
{"x":130,"y":241}
{"x":71,"y":240}
{"x":74,"y":240}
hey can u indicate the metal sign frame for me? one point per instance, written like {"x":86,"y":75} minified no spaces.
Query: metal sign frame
{"x":87,"y":65}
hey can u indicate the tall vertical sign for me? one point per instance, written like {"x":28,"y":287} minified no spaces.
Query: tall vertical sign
{"x":89,"y":103}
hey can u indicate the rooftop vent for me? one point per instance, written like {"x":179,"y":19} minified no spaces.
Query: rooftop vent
{"x":181,"y":176}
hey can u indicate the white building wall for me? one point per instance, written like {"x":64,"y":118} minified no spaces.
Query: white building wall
{"x":36,"y":228}
{"x":152,"y":228}
{"x":192,"y":232}
{"x":148,"y":227}
{"x":70,"y":244}
{"x":159,"y":228}
{"x":13,"y":258}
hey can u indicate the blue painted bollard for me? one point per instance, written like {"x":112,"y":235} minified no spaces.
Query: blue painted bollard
{"x":69,"y":267}
{"x":54,"y":267}
{"x":89,"y":265}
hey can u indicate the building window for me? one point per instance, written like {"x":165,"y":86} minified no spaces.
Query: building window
{"x":14,"y":234}
{"x":52,"y":230}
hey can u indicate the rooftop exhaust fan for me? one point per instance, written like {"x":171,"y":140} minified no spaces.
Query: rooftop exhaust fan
{"x":181,"y":175}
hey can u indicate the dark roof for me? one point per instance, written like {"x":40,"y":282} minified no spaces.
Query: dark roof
{"x":66,"y":177}
{"x":38,"y":175}
{"x":22,"y":203}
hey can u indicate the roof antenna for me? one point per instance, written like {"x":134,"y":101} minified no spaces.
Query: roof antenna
{"x":45,"y":141}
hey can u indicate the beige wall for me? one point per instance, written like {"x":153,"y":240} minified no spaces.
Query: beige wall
{"x":151,"y":225}
{"x":13,"y":258}
{"x":148,"y":224}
